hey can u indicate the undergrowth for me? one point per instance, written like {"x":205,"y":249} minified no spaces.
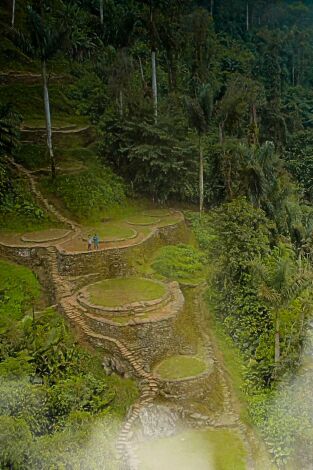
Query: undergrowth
{"x":57,"y":408}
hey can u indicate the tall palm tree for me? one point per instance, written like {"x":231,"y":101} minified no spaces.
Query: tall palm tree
{"x":42,"y":42}
{"x":280,"y":280}
{"x":199,"y":113}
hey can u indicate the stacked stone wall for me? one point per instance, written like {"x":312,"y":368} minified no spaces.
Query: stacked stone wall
{"x":119,"y":262}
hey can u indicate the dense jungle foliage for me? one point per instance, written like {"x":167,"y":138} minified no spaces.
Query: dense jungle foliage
{"x":57,"y":408}
{"x":205,"y":102}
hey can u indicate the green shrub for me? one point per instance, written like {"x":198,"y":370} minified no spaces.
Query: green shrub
{"x":180,"y":262}
{"x":87,"y":193}
{"x":54,"y":397}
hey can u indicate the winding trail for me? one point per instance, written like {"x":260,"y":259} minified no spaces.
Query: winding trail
{"x":67,"y":303}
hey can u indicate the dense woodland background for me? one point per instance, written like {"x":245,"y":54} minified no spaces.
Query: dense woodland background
{"x":208,"y":104}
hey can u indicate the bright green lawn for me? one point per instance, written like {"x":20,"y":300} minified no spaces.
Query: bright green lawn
{"x":194,"y":450}
{"x":179,"y":367}
{"x":114,"y":292}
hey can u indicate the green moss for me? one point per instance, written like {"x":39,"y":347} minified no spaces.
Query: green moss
{"x":179,"y":367}
{"x":114,"y":292}
{"x":201,"y":450}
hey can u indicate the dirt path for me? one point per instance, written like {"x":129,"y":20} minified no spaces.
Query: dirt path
{"x":257,"y":454}
{"x":68,"y":305}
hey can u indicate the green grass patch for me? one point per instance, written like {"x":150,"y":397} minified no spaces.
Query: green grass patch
{"x":45,"y":235}
{"x":180,"y":367}
{"x":202,"y":450}
{"x":182,"y":263}
{"x":110,"y":231}
{"x":142,"y":220}
{"x":115,"y":292}
{"x":232,"y":358}
{"x":18,"y":292}
{"x":28,"y":100}
{"x":157,"y":213}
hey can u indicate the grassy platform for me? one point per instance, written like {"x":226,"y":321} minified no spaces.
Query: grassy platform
{"x":115,"y":292}
{"x":110,"y":231}
{"x":45,"y":235}
{"x":180,"y":367}
{"x":142,"y":220}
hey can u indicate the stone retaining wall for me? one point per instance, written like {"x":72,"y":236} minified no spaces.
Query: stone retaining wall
{"x":118,"y":262}
{"x":149,"y":339}
{"x":133,"y":308}
{"x":198,"y":386}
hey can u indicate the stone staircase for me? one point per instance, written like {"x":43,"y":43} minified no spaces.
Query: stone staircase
{"x":41,"y":199}
{"x":148,"y":384}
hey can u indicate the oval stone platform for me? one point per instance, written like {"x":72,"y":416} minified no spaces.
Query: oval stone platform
{"x":185,"y":377}
{"x":45,"y":236}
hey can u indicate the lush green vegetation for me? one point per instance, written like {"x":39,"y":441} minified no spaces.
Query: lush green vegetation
{"x":182,"y":263}
{"x":115,"y":292}
{"x":261,"y":294}
{"x":57,"y":407}
{"x":87,"y":194}
{"x":180,"y":367}
{"x":196,"y":102}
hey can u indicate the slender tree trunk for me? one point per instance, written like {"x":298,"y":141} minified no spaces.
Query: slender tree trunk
{"x":121,"y":103}
{"x":221,"y":132}
{"x":48,"y":118}
{"x":277,"y":339}
{"x":201,"y":185}
{"x":254,"y":123}
{"x":247,"y":16}
{"x":13,"y":13}
{"x":212,"y":7}
{"x":154,"y":85}
{"x":141,"y":72}
{"x":101,"y":12}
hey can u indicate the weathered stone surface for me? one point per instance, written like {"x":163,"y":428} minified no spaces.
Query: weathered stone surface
{"x":198,"y":386}
{"x":129,"y":309}
{"x":118,"y":262}
{"x":150,"y":339}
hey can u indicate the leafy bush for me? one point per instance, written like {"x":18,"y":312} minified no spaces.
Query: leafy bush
{"x":89,"y":192}
{"x":180,"y":262}
{"x":54,"y":397}
{"x":151,"y":156}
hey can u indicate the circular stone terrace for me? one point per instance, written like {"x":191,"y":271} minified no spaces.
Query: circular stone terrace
{"x":120,"y":233}
{"x":184,"y":376}
{"x":124,"y":298}
{"x":45,"y":236}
